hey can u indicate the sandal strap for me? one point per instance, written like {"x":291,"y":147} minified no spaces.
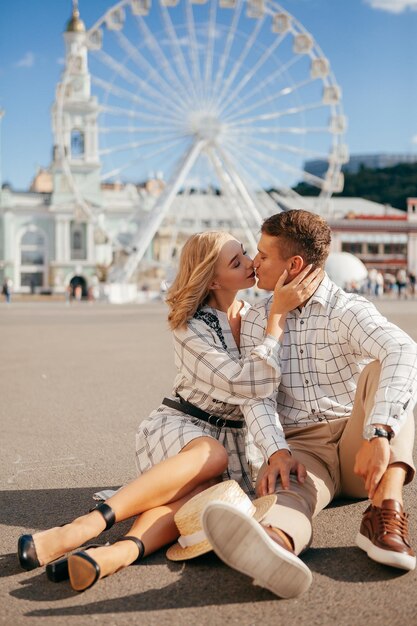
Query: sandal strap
{"x":107,"y":512}
{"x":138,"y":542}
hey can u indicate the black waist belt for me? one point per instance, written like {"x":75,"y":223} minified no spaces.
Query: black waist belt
{"x":191,"y":409}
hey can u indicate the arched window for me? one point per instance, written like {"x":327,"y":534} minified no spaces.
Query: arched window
{"x":77,"y":143}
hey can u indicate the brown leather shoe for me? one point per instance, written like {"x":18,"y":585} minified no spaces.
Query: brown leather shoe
{"x":383,"y":535}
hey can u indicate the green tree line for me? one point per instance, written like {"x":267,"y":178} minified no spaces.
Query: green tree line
{"x":388,"y":185}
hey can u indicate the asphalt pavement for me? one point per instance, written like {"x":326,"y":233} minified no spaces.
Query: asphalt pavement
{"x":74,"y":383}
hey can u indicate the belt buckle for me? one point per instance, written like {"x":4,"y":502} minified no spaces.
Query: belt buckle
{"x":219,"y":421}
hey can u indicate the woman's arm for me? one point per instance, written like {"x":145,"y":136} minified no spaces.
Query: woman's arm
{"x":215,"y":372}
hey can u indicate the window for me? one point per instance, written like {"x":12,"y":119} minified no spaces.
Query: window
{"x":31,"y":279}
{"x":33,"y":259}
{"x":373,"y":248}
{"x":350,"y":246}
{"x":33,"y":238}
{"x":395,"y":248}
{"x":78,"y":241}
{"x":77,"y":144}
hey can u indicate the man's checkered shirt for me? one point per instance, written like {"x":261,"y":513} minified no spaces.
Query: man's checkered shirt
{"x":324,"y":349}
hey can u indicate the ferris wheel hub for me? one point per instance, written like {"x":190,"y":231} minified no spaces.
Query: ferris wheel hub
{"x":205,"y":126}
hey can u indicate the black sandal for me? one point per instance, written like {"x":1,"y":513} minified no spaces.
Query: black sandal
{"x":26,"y":550}
{"x":57,"y":571}
{"x":84,"y":571}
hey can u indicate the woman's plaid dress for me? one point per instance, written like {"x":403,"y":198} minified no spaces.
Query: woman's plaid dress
{"x":213,"y":376}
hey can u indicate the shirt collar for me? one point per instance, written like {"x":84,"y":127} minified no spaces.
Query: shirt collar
{"x":323,"y":292}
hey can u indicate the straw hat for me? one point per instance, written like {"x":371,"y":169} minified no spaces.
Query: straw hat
{"x":192,"y":541}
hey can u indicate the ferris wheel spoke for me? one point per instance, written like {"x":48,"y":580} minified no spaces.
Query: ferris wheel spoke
{"x":271,"y":78}
{"x":117,"y":170}
{"x":250,"y":165}
{"x":194,"y":54}
{"x":108,"y":130}
{"x":238,"y":65}
{"x":248,"y":76}
{"x":240,"y":158}
{"x":124,"y":147}
{"x":119,"y":92}
{"x":113,"y":110}
{"x":278,"y":114}
{"x":316,"y":181}
{"x":129,"y":76}
{"x":167,"y":90}
{"x":289,"y":148}
{"x":160,"y":58}
{"x":210,"y":51}
{"x":227,"y":47}
{"x":268,"y":130}
{"x":177,"y":56}
{"x":262,"y":101}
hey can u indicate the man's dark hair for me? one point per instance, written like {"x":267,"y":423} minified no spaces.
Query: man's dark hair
{"x":301,"y":233}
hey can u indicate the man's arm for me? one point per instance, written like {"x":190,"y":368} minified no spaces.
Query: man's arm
{"x":369,"y":334}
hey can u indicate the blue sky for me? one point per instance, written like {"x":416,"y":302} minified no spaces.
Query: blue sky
{"x":371,"y":44}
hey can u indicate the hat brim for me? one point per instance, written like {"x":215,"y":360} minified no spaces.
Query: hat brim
{"x":177,"y":553}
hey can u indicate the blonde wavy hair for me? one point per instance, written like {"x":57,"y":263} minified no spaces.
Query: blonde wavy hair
{"x":191,"y":286}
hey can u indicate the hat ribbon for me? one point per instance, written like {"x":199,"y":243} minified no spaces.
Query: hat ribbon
{"x":186,"y":541}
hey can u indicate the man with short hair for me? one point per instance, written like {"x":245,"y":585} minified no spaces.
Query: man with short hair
{"x":345,"y":411}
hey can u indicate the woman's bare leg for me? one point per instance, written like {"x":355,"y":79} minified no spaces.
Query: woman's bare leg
{"x":155,"y":528}
{"x":199,"y":461}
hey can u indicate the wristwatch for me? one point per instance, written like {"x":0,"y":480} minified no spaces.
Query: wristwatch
{"x":370,"y":432}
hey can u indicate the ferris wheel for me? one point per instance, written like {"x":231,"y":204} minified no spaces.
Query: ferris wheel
{"x":229,"y":95}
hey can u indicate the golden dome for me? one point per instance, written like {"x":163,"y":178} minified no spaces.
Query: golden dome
{"x":75,"y":25}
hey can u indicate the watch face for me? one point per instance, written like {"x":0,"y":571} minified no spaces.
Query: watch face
{"x":369,"y":432}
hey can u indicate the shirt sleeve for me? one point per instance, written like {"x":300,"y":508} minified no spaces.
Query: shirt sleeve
{"x":265,"y":427}
{"x":253,"y":327}
{"x":217,"y":373}
{"x":371,"y":335}
{"x":261,"y":416}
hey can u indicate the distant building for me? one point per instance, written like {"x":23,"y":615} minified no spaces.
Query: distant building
{"x":49,"y":244}
{"x":381,"y":236}
{"x":318,"y":167}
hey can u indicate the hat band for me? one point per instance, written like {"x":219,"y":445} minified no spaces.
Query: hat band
{"x":186,"y":541}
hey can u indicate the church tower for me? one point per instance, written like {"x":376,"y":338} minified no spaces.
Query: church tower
{"x":74,"y":123}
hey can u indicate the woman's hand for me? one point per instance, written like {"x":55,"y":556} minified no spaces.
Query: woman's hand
{"x":280,"y":465}
{"x":291,"y":295}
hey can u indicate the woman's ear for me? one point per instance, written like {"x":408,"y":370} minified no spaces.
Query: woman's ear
{"x":214,"y":285}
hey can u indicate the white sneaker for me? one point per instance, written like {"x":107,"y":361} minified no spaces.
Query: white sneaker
{"x":242,"y":543}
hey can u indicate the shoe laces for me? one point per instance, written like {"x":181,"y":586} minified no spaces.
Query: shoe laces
{"x":394,"y":522}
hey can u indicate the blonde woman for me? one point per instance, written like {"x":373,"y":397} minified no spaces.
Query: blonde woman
{"x":197,"y":436}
